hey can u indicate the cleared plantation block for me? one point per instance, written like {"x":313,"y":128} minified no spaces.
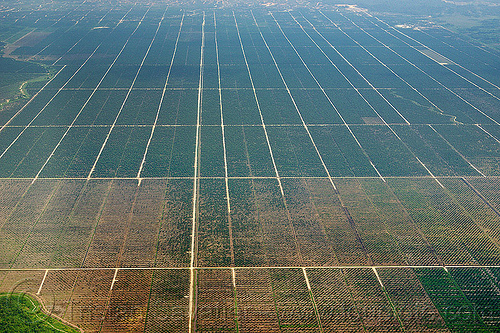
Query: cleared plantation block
{"x":257,"y":311}
{"x":211,"y":107}
{"x":316,"y":247}
{"x":347,"y":72}
{"x":351,"y":105}
{"x":478,"y":207}
{"x":412,"y":304}
{"x":301,"y":42}
{"x":215,"y":300}
{"x":16,"y":228}
{"x":110,"y":233}
{"x":138,"y":12}
{"x":296,"y":311}
{"x":482,"y":99}
{"x":487,"y":187}
{"x":388,"y":154}
{"x":31,"y":109}
{"x":179,"y":107}
{"x":294,"y":152}
{"x":277,"y":107}
{"x":371,"y":302}
{"x":57,"y":291}
{"x":255,"y":50}
{"x":478,"y":148}
{"x":211,"y":152}
{"x":239,"y":107}
{"x":3,"y":274}
{"x":408,"y":239}
{"x":140,"y":244}
{"x":69,"y":70}
{"x":248,"y":235}
{"x":102,"y":108}
{"x":210,"y":78}
{"x":383,"y":53}
{"x":226,"y":37}
{"x":120,"y":76}
{"x":307,"y":50}
{"x":174,"y":232}
{"x":480,"y":286}
{"x":433,"y":38}
{"x":455,"y":237}
{"x":482,"y":68}
{"x":378,"y":75}
{"x":330,"y":31}
{"x":342,"y":155}
{"x":91,"y":73}
{"x":334,"y":301}
{"x":280,"y":246}
{"x":7,"y":136}
{"x":167,"y":308}
{"x":209,"y":53}
{"x":27,"y":155}
{"x":76,"y":154}
{"x":213,"y":234}
{"x":282,"y":51}
{"x":335,"y":222}
{"x":433,"y":151}
{"x":355,"y":54}
{"x":452,"y":105}
{"x":415,"y":108}
{"x":264,"y":75}
{"x":32,"y":162}
{"x":247,"y":152}
{"x":140,"y":108}
{"x":327,"y":75}
{"x":70,"y":243}
{"x":493,"y":131}
{"x":118,"y":37}
{"x":185,"y":76}
{"x":168,"y":301}
{"x":40,"y":247}
{"x":136,"y":49}
{"x":398,"y":39}
{"x":12,"y":192}
{"x":457,"y":311}
{"x":233,"y":76}
{"x":115,"y":15}
{"x":290,"y":28}
{"x":190,"y":40}
{"x":128,"y":304}
{"x":371,"y":224}
{"x":188,"y":49}
{"x":23,"y":281}
{"x":413,"y":75}
{"x":171,"y":152}
{"x":153,"y":76}
{"x":163,"y":46}
{"x":442,"y":74}
{"x":295,"y":75}
{"x":384,"y":109}
{"x":315,"y":107}
{"x":63,"y":109}
{"x":122,"y":155}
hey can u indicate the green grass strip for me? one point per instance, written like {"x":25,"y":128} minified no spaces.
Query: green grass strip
{"x":24,"y":313}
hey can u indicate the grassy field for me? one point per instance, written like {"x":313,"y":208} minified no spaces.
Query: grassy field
{"x":22,"y":313}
